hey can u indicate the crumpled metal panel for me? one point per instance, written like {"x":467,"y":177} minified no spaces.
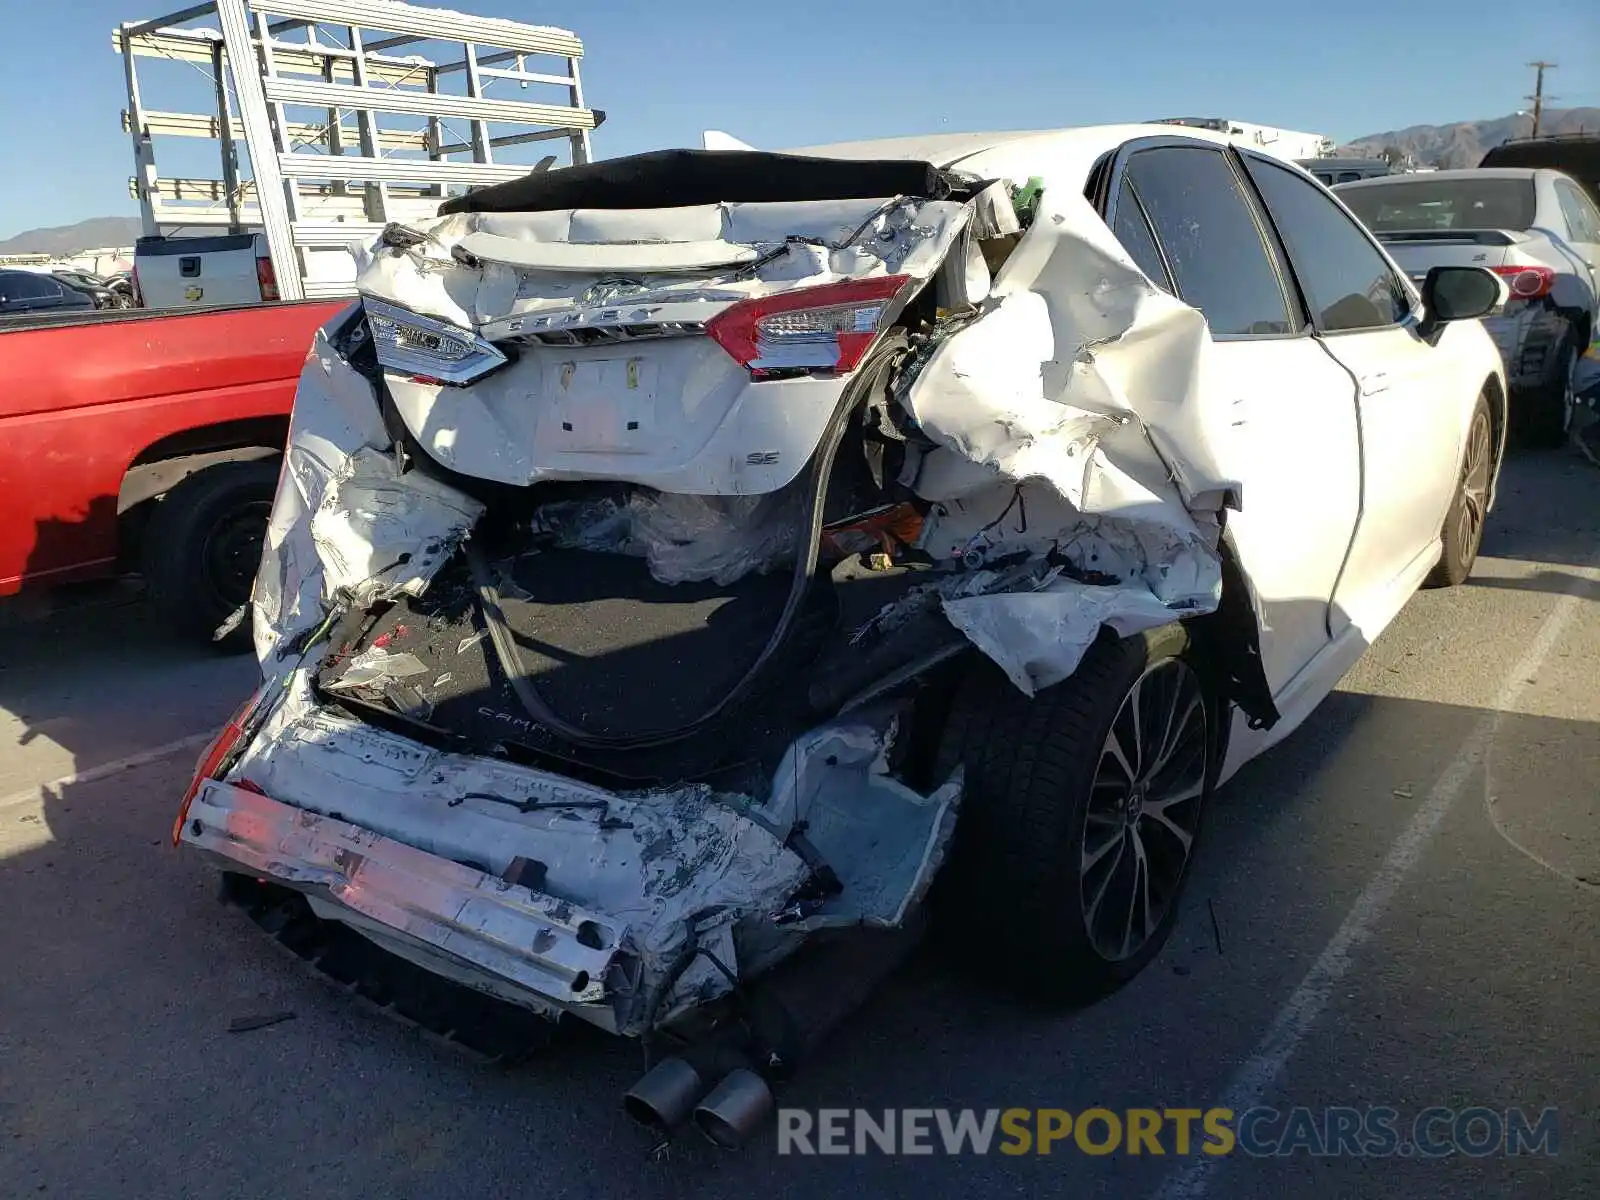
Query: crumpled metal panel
{"x":670,"y":870}
{"x":547,"y":945}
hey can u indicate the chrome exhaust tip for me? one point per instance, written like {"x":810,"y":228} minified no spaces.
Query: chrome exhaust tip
{"x":736,"y":1108}
{"x":663,"y":1099}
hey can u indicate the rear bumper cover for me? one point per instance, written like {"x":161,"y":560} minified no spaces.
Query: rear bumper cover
{"x":474,"y":926}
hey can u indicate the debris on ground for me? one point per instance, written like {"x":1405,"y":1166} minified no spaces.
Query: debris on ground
{"x":256,"y":1021}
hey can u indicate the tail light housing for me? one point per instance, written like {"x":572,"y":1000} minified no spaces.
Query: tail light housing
{"x":267,"y":277}
{"x":827,"y":328}
{"x":426,"y":349}
{"x":1527,"y":283}
{"x":214,"y":757}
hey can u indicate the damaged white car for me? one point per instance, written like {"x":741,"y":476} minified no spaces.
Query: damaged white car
{"x":689,"y":570}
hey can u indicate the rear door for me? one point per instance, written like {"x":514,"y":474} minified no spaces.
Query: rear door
{"x":1185,"y":215}
{"x":1410,"y":401}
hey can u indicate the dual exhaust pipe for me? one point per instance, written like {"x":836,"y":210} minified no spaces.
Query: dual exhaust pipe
{"x":784,"y":1018}
{"x":673,"y":1092}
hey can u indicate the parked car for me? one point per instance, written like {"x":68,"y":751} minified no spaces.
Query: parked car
{"x":143,"y":441}
{"x":1534,"y":228}
{"x":35,"y":292}
{"x":121,"y":285}
{"x":690,"y":570}
{"x":1329,"y":171}
{"x":97,"y":289}
{"x":1576,"y":155}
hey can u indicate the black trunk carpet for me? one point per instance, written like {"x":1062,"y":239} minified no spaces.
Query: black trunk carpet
{"x":610,"y":650}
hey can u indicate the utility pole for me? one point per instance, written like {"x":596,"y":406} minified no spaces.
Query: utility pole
{"x":1538,"y":96}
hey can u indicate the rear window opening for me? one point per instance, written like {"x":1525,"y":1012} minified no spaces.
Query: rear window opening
{"x":1444,"y":204}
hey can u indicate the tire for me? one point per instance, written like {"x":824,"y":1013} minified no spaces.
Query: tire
{"x":1035,"y":861}
{"x":1462,"y":533}
{"x":203,"y":544}
{"x":1547,"y":410}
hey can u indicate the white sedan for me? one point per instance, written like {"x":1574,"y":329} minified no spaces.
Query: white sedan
{"x":691,"y":569}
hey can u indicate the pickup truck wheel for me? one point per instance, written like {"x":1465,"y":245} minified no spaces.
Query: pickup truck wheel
{"x":1463,"y":523}
{"x":203,"y":545}
{"x":1547,"y":410}
{"x":1081,"y":811}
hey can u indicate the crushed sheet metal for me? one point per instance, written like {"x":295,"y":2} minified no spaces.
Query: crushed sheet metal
{"x":823,"y":242}
{"x":345,"y":523}
{"x":1072,"y":417}
{"x":656,"y":863}
{"x":551,"y":946}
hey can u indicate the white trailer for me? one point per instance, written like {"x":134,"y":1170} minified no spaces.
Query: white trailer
{"x":340,"y":133}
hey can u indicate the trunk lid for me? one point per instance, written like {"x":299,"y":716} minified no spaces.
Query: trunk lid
{"x":664,"y":347}
{"x":1415,"y":251}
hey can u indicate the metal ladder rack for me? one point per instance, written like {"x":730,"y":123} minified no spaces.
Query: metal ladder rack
{"x":344,"y":129}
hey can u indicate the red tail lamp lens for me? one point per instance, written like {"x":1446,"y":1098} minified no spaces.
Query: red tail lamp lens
{"x":1527,"y":283}
{"x":826,"y":328}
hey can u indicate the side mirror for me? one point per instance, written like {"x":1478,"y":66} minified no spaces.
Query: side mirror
{"x":1459,"y":294}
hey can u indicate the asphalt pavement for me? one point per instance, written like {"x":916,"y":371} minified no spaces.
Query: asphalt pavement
{"x":1396,"y":908}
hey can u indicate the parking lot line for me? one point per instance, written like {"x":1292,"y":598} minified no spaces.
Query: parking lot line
{"x":1305,"y":1004}
{"x":105,"y":770}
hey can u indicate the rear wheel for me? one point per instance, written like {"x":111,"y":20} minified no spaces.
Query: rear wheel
{"x":1081,"y":812}
{"x":1547,"y":410}
{"x":1463,"y":524}
{"x":203,"y":545}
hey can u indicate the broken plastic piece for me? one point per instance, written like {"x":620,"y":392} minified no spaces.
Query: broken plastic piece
{"x":375,"y":665}
{"x":235,"y":619}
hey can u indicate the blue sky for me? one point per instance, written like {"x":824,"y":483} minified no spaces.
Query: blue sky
{"x":793,"y":73}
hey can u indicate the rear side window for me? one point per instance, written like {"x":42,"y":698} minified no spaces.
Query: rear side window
{"x":24,"y":285}
{"x":1348,"y":282}
{"x":1219,"y":259}
{"x":1583,"y":222}
{"x":1133,"y":231}
{"x":1417,"y":203}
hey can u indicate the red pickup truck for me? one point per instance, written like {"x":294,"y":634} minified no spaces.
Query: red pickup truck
{"x":147,"y":441}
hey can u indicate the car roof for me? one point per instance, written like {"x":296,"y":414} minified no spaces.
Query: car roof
{"x":1463,"y":173}
{"x":948,"y":149}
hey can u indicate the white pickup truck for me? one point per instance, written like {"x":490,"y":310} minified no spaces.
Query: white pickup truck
{"x":195,"y":272}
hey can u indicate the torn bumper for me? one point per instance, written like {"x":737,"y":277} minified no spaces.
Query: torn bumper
{"x":626,"y":910}
{"x":556,"y":956}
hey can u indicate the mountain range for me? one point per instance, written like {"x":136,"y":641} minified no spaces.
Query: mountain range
{"x":68,"y":239}
{"x":1461,"y":144}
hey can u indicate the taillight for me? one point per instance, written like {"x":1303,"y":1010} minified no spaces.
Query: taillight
{"x":826,"y":328}
{"x":1527,"y":283}
{"x":267,"y":278}
{"x":212,"y":758}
